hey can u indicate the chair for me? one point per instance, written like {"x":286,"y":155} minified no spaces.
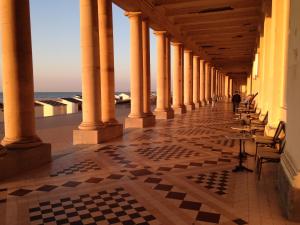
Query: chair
{"x":269,"y":155}
{"x":258,"y":122}
{"x":269,"y":141}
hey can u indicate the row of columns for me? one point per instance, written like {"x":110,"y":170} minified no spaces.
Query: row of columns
{"x":195,"y":81}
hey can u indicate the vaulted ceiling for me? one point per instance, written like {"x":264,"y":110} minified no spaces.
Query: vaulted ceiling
{"x":222,"y":31}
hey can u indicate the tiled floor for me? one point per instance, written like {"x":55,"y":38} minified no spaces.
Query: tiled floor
{"x":179,"y":172}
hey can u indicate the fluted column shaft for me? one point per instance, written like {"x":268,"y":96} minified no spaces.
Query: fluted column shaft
{"x":196,"y":81}
{"x":202,"y":82}
{"x":146,"y":68}
{"x":136,"y":65}
{"x":17,"y":75}
{"x":207,"y":83}
{"x":91,"y":94}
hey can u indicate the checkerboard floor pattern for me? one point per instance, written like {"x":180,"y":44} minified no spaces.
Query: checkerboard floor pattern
{"x":167,"y":152}
{"x":114,"y":206}
{"x":216,"y":182}
{"x":80,"y":167}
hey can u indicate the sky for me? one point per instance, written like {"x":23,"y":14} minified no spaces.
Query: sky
{"x":56,"y":47}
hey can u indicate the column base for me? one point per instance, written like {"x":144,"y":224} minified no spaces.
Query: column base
{"x":179,"y":110}
{"x":164,"y":115}
{"x":190,"y":107}
{"x":147,"y":121}
{"x":103,"y":134}
{"x":197,"y":105}
{"x":14,"y":162}
{"x":289,"y":191}
{"x":203,"y":103}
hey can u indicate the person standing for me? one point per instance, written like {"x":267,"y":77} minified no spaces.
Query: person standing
{"x":236,"y":99}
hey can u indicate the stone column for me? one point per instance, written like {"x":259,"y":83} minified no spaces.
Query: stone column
{"x":220,"y":85}
{"x":113,"y":128}
{"x":213,"y":80}
{"x":146,"y":72}
{"x":207,"y":83}
{"x":217,"y":83}
{"x":25,"y":148}
{"x":196,"y":81}
{"x":92,"y":130}
{"x":188,"y":80}
{"x":161,"y":111}
{"x":268,"y":78}
{"x":249,"y":80}
{"x":178,"y":106}
{"x":168,"y":75}
{"x":136,"y":118}
{"x":226,"y":86}
{"x":202,"y":83}
{"x":230,"y":88}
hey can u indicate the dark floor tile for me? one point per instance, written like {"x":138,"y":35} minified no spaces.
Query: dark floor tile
{"x":163,"y":187}
{"x":164,"y":168}
{"x":71,"y":184}
{"x":240,"y":221}
{"x":115,"y":176}
{"x":190,"y":205}
{"x":21,"y":192}
{"x":94,"y":180}
{"x":178,"y":166}
{"x":176,"y":195}
{"x":141,"y":172}
{"x":208,"y":217}
{"x":46,"y":188}
{"x":152,"y":180}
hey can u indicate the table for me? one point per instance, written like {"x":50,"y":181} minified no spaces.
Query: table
{"x":242,"y":138}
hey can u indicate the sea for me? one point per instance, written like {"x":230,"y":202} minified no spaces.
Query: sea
{"x":55,"y":95}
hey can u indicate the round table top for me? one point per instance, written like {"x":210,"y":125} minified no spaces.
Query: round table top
{"x":245,"y":128}
{"x":239,"y":137}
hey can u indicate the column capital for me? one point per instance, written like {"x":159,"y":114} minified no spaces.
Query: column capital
{"x":188,"y":50}
{"x":196,"y":56}
{"x":132,"y":14}
{"x":175,"y":43}
{"x":160,"y":32}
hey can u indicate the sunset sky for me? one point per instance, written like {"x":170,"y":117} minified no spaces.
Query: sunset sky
{"x":56,"y":46}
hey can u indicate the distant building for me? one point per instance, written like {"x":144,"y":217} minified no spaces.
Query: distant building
{"x":78,"y":97}
{"x":73,"y":105}
{"x":53,"y":108}
{"x":123,"y":98}
{"x":38,"y":110}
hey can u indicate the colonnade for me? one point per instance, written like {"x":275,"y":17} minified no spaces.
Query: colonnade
{"x":195,"y":81}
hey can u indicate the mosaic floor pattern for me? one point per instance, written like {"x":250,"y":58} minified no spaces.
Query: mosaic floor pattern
{"x":176,"y":173}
